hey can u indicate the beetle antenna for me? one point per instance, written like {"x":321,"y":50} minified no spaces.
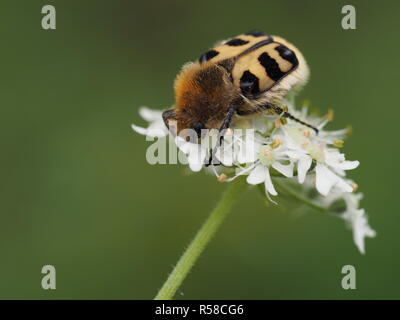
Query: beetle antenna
{"x":286,"y":114}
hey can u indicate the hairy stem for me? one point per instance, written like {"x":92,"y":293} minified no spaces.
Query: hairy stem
{"x":200,"y":241}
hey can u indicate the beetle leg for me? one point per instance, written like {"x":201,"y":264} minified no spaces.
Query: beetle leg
{"x":222,"y":130}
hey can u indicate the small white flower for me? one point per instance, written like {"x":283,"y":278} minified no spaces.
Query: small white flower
{"x":330,"y":163}
{"x":354,"y":216}
{"x":272,"y":145}
{"x":298,"y":143}
{"x":357,"y":219}
{"x":303,"y":161}
{"x":156,"y":126}
{"x":269,"y":157}
{"x":329,"y":172}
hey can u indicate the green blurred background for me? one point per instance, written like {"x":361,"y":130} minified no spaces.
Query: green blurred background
{"x":77,"y":192}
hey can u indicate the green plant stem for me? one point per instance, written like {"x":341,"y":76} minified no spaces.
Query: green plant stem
{"x":200,"y":241}
{"x":299,"y":197}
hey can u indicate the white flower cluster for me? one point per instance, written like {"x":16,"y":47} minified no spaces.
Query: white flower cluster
{"x":265,"y":147}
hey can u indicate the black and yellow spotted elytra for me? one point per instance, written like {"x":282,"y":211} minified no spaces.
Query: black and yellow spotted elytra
{"x":260,"y":61}
{"x":245,"y":75}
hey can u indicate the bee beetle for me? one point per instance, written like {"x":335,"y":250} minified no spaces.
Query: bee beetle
{"x":246,"y":75}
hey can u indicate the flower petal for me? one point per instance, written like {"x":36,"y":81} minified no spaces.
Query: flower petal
{"x":269,"y":187}
{"x":336,"y":160}
{"x":347,"y":165}
{"x":326,"y":179}
{"x":361,"y":229}
{"x":195,"y":166}
{"x":196,"y":157}
{"x":154,"y":130}
{"x":225,"y":157}
{"x":286,"y":170}
{"x":257,"y":175}
{"x":139,"y":130}
{"x":342,"y":184}
{"x":303,"y":166}
{"x":149,"y":114}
